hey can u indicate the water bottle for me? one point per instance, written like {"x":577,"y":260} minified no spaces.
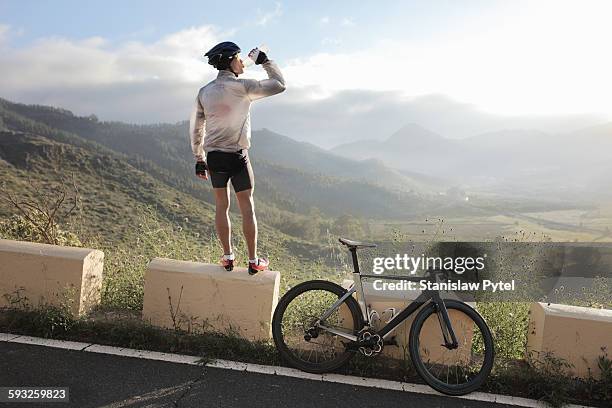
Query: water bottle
{"x":252,"y":57}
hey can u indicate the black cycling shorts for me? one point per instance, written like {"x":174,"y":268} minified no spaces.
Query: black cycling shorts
{"x":236,"y":166}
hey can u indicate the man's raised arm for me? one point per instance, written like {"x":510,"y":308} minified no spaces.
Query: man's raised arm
{"x":275,"y":83}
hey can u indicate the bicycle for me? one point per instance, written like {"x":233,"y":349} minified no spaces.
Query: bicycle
{"x":318,"y":326}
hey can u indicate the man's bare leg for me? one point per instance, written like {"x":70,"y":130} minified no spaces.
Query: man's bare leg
{"x":249,"y":222}
{"x":222,"y":220}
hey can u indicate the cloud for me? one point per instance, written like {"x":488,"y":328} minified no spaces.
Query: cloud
{"x":349,"y":115}
{"x":130,"y":81}
{"x":503,"y":72}
{"x":331,"y":41}
{"x":347,"y":22}
{"x":331,"y":98}
{"x":7,"y":32}
{"x":4,"y":32}
{"x":53,"y":62}
{"x":265,"y":17}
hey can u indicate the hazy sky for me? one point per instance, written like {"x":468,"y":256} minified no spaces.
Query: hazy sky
{"x":373,"y":65}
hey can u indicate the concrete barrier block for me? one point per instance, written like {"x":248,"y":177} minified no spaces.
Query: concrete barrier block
{"x":431,"y":335}
{"x":194,"y":295}
{"x":50,"y":274}
{"x":575,"y":334}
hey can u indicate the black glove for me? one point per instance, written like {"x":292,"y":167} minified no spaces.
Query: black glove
{"x":261,"y":58}
{"x":200,"y":168}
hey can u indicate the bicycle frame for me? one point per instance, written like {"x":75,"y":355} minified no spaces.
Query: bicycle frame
{"x":425,"y":297}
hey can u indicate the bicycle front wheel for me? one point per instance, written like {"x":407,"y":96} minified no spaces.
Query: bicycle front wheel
{"x":452,"y":371}
{"x":305,"y":346}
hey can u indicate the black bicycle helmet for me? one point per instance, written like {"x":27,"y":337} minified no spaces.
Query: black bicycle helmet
{"x":221,"y":54}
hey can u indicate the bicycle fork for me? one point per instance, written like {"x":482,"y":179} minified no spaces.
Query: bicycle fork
{"x":450,"y":340}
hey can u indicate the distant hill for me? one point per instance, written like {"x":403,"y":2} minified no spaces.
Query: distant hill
{"x":111,"y":185}
{"x":274,"y":148}
{"x":412,"y":148}
{"x":529,"y":163}
{"x":573,"y":164}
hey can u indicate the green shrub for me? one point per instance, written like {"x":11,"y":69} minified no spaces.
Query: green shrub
{"x":508,"y":322}
{"x":19,"y":228}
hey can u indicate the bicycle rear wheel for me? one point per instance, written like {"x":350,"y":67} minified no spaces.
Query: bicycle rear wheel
{"x":301,"y":344}
{"x":458,"y":371}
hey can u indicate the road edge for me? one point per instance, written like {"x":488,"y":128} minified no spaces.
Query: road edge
{"x":271,"y":370}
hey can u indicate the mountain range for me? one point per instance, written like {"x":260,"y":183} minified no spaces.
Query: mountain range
{"x":302,"y":191}
{"x":530,"y":163}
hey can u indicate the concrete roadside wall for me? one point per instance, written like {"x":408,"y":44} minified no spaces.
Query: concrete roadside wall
{"x":575,"y":334}
{"x":193,"y":295}
{"x":50,"y":274}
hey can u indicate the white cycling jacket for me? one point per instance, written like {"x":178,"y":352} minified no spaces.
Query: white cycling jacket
{"x":221,"y":119}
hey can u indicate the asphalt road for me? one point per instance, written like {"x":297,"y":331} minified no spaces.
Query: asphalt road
{"x":100,"y":380}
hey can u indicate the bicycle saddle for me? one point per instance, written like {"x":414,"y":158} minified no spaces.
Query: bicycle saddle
{"x":354,"y":244}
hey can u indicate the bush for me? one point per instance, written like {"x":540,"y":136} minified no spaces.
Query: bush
{"x":508,"y":322}
{"x":19,"y":228}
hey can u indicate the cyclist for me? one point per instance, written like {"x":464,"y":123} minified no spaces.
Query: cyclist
{"x":220,"y":132}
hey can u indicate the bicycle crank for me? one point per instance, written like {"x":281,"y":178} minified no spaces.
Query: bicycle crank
{"x":368,"y":344}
